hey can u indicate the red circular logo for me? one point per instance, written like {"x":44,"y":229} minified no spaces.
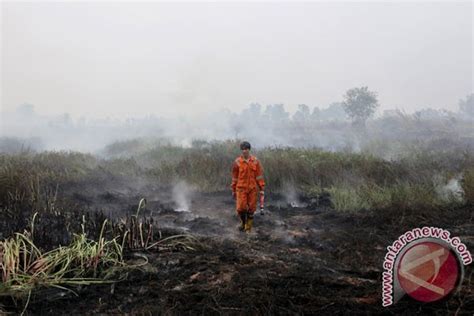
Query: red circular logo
{"x":428,"y":271}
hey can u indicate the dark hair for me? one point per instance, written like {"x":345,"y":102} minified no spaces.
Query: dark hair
{"x":245,"y":145}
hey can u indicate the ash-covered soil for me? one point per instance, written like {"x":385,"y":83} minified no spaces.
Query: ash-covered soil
{"x":304,"y":258}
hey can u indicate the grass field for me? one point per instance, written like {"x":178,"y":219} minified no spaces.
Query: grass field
{"x":56,"y":236}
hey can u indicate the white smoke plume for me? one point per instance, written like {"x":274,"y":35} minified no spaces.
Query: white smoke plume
{"x":182,"y":193}
{"x":291,"y":195}
{"x":452,"y":190}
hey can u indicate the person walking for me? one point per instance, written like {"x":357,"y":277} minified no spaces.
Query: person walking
{"x":247,"y":182}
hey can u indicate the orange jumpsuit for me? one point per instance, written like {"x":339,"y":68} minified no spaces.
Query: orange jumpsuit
{"x":247,"y":177}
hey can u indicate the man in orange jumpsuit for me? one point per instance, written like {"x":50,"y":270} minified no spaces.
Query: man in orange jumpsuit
{"x":247,"y":181}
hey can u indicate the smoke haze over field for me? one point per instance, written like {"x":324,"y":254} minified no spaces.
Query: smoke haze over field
{"x":263,"y":126}
{"x":103,"y":59}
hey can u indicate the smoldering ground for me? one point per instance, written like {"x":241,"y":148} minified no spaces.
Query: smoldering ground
{"x":304,"y":259}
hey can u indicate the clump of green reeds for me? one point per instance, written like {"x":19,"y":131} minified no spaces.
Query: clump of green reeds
{"x":24,"y":267}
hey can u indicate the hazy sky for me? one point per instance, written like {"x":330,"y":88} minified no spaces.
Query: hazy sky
{"x":120,"y":59}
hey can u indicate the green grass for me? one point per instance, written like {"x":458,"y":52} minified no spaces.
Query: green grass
{"x":207,"y":167}
{"x":401,"y":195}
{"x":24,"y":266}
{"x":347,"y":199}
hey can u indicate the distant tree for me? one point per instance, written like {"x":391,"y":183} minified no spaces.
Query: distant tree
{"x":335,"y":111}
{"x":276,"y":113}
{"x":467,"y":106}
{"x":316,"y":114}
{"x":254,"y":111}
{"x":302,"y":114}
{"x":360,"y":104}
{"x":428,"y":114}
{"x":432,"y":114}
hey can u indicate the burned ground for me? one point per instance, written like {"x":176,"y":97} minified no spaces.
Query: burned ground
{"x":300,"y":259}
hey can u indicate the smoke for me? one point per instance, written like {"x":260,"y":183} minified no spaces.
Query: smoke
{"x":291,"y":196}
{"x":386,"y":136}
{"x":450,"y":191}
{"x":182,"y":196}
